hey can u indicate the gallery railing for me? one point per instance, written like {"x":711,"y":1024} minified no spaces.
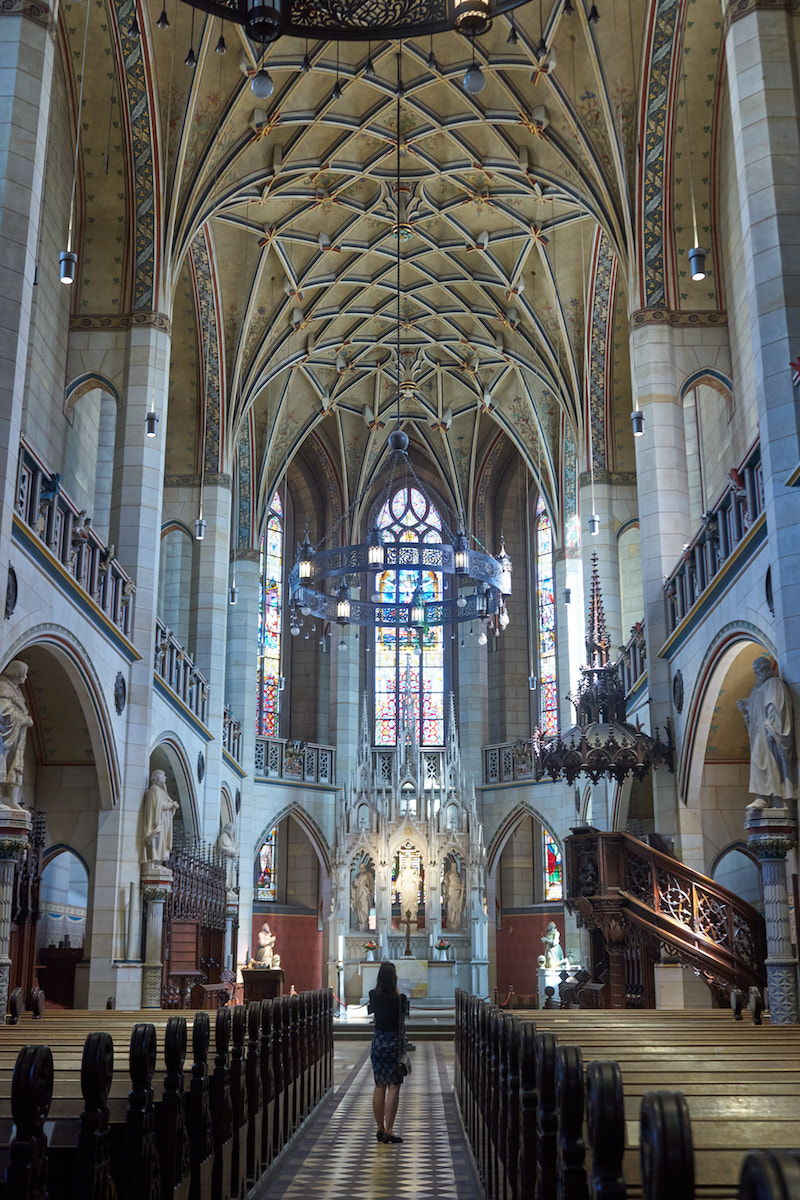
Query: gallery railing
{"x":724,"y":527}
{"x":175,"y":666}
{"x":45,"y":508}
{"x":232,"y":734}
{"x":303,"y":762}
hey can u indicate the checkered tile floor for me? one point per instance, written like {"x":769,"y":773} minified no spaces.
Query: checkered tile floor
{"x":337,"y":1155}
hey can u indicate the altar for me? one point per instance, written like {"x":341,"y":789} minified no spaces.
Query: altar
{"x":412,"y":977}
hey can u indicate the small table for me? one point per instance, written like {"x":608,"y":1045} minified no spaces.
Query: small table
{"x":262,"y":983}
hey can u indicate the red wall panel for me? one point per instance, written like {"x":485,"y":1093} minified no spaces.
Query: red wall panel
{"x":299,"y":943}
{"x":519,"y":944}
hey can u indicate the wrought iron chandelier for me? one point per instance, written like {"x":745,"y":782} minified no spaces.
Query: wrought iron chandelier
{"x":457,"y":563}
{"x":362,"y":20}
{"x":602,"y":743}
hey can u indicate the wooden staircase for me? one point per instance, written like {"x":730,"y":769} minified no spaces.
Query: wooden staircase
{"x":621,"y":886}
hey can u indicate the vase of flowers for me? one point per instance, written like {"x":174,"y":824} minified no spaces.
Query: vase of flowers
{"x":442,"y":946}
{"x":370,"y":948}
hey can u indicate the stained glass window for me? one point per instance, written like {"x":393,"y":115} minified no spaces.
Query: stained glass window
{"x":269,"y":623}
{"x":546,"y":609}
{"x":553,"y":878}
{"x":412,"y":655}
{"x":265,"y":868}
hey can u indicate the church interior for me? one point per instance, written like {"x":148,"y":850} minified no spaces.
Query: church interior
{"x":400,"y":464}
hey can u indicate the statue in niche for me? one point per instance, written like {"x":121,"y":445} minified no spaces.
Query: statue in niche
{"x":553,"y":954}
{"x":265,"y":956}
{"x":408,"y":883}
{"x":361,"y":893}
{"x":15,"y":721}
{"x":453,"y":895}
{"x":228,"y":850}
{"x":159,"y":813}
{"x":769,"y":719}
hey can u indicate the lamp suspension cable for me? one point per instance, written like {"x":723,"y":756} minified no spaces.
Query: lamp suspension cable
{"x":68,"y":259}
{"x":397,"y":196}
{"x":697,"y":253}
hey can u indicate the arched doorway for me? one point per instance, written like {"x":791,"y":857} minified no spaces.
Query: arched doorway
{"x":61,"y":929}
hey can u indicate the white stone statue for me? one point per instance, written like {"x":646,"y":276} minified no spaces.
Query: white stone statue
{"x":553,"y":954}
{"x":265,"y":955}
{"x":361,"y":891}
{"x":408,"y":887}
{"x":770,"y":726}
{"x":453,"y":891}
{"x":15,"y":721}
{"x":159,"y":812}
{"x":228,"y":849}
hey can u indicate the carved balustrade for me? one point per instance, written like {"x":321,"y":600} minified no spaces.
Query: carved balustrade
{"x":724,"y":527}
{"x":232,"y":734}
{"x":46,"y":510}
{"x":620,"y":885}
{"x":303,"y":762}
{"x":175,"y":667}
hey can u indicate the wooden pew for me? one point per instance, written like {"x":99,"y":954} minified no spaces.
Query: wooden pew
{"x":648,"y":1079}
{"x":208,"y":1135}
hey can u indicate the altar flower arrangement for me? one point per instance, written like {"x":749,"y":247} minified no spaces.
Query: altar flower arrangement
{"x":442,"y":944}
{"x":370,"y":945}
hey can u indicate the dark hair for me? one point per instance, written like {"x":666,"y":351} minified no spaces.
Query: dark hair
{"x":386,"y":984}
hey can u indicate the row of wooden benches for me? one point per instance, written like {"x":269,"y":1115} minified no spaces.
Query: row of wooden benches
{"x":667,"y":1104}
{"x":82,"y":1131}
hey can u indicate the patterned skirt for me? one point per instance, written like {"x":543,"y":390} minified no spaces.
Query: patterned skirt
{"x":385,"y":1055}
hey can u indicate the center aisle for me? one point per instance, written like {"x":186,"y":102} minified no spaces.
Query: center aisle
{"x":337,"y":1154}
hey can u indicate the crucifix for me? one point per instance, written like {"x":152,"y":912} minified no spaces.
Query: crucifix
{"x":407,"y":923}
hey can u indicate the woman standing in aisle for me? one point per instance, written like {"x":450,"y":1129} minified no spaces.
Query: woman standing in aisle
{"x":389,"y":1008}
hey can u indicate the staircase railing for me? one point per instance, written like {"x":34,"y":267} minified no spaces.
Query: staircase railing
{"x":616,"y":883}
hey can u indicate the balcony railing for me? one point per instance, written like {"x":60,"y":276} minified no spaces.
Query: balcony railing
{"x":232,"y":735}
{"x":48,"y":512}
{"x":176,"y":668}
{"x":724,"y":527}
{"x":303,"y":762}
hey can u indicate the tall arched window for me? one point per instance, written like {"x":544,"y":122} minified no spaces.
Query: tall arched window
{"x":401,"y":654}
{"x":269,"y":623}
{"x":546,"y":612}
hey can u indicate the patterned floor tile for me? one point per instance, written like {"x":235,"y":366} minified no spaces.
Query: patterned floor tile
{"x":338,"y":1156}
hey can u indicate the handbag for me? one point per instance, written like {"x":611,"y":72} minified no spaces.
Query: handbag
{"x":404,"y":1063}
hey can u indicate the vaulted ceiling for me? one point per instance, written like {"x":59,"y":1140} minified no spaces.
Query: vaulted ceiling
{"x":272,"y":230}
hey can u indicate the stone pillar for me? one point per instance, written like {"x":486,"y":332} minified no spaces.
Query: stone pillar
{"x":472,"y":698}
{"x":665,"y":526}
{"x":231,"y":910}
{"x":240,"y":690}
{"x":156,"y":886}
{"x":15,"y":828}
{"x":27,"y":40}
{"x":761,"y":58}
{"x":771,"y":833}
{"x":345,"y":698}
{"x":209,"y":626}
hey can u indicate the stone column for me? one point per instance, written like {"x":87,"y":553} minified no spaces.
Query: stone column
{"x":156,"y":886}
{"x":240,"y":690}
{"x":761,"y":58}
{"x":664,"y":523}
{"x":345,"y":698}
{"x":771,"y":833}
{"x":15,"y":828}
{"x":27,"y":40}
{"x":209,"y":633}
{"x":472,"y":698}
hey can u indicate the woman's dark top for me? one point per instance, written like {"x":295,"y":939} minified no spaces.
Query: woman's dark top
{"x":387,"y":1010}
